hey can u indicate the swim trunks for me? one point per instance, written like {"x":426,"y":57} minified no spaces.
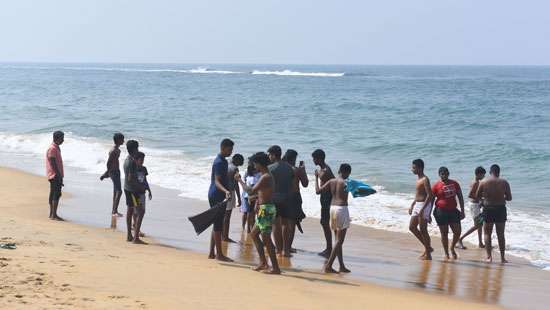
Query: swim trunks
{"x":446,"y":217}
{"x":326,"y":200}
{"x":495,"y":214}
{"x":132,"y":199}
{"x":55,"y":190}
{"x":115,"y":177}
{"x":266,"y":217}
{"x":294,"y":209}
{"x":475,"y":210}
{"x":339,"y":217}
{"x":418,"y":206}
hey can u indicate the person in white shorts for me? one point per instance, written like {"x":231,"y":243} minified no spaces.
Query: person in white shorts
{"x":339,"y":214}
{"x":421,"y":209}
{"x":475,"y":210}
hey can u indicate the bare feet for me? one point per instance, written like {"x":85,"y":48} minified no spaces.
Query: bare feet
{"x":481,"y":246}
{"x":118,"y":214}
{"x":129,"y":238}
{"x":272,"y":271}
{"x":57,"y":218}
{"x":329,"y":270}
{"x":211,"y":256}
{"x":503,"y":260}
{"x":261,"y":267}
{"x":453,"y":253}
{"x":138,"y":241}
{"x":428,"y":256}
{"x":460,"y":245}
{"x":489,"y":259}
{"x":223,"y":258}
{"x":446,"y":257}
{"x":344,"y":270}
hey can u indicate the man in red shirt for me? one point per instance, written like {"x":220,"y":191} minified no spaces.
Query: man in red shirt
{"x":446,"y":213}
{"x":54,"y":172}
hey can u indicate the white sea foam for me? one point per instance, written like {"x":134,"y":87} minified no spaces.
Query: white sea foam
{"x":297,"y":73}
{"x":526,"y":233}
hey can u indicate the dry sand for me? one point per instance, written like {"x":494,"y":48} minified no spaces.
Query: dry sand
{"x":63,"y":265}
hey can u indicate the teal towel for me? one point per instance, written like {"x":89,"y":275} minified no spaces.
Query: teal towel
{"x":358,"y":188}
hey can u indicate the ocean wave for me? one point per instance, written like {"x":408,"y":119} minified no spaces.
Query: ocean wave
{"x":174,"y":169}
{"x":297,"y":73}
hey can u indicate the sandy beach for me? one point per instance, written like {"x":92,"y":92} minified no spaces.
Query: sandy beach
{"x":65,"y":265}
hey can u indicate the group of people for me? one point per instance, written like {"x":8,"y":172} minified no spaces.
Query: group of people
{"x":487,"y":200}
{"x":271,"y":202}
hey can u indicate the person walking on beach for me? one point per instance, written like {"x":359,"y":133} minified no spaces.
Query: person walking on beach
{"x":446,"y":191}
{"x":494,"y":192}
{"x":325,"y":174}
{"x":55,"y":173}
{"x":265,"y":213}
{"x":132,"y":189}
{"x":295,"y":212}
{"x":113,"y":171}
{"x":139,"y":210}
{"x":217,"y":193}
{"x":282,"y":179}
{"x":475,"y":210}
{"x":421,"y":209}
{"x":235,"y":199}
{"x":339,"y":214}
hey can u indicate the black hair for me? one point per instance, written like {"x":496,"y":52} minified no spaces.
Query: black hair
{"x":480,"y":170}
{"x":238,"y":159}
{"x":495,"y":170}
{"x":443,"y":169}
{"x":250,"y":170}
{"x":275,"y":150}
{"x":318,"y":154}
{"x":132,"y":146}
{"x":227,"y":143}
{"x":260,"y":158}
{"x":419,"y":163}
{"x":345,"y":168}
{"x":139,"y":155}
{"x":290,"y":156}
{"x":58,"y":135}
{"x":118,"y":137}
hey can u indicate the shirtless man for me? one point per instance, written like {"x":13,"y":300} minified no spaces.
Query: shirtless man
{"x":494,"y":192}
{"x":265,"y":213}
{"x":421,"y":209}
{"x":475,"y":210}
{"x":295,"y":211}
{"x":325,"y":174}
{"x":339,"y":214}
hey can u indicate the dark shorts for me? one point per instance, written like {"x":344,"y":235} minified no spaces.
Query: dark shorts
{"x":282,"y":209}
{"x":115,"y":177}
{"x":496,"y":214}
{"x":293,"y":208}
{"x":55,"y":190}
{"x":446,"y":217}
{"x":132,"y":199}
{"x":326,"y":200}
{"x":478,"y":220}
{"x":218,"y":222}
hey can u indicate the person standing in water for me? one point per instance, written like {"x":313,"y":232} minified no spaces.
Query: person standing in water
{"x":421,"y":209}
{"x":475,"y":210}
{"x":446,"y":191}
{"x":55,"y":173}
{"x":494,"y":192}
{"x":132,"y":189}
{"x":235,"y":199}
{"x":266,"y":213}
{"x":217,"y":193}
{"x":325,"y":174}
{"x":113,"y":171}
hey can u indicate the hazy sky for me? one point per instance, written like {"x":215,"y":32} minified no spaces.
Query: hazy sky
{"x":269,"y":31}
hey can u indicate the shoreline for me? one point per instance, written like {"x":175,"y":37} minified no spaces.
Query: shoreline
{"x":67,"y":265}
{"x":368,"y":252}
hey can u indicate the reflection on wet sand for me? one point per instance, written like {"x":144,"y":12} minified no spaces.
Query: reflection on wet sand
{"x":474,"y":280}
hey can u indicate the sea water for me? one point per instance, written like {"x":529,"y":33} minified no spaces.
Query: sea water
{"x":376,"y":118}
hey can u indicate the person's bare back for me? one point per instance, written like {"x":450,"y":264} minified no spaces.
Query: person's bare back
{"x":338,"y":191}
{"x":495,"y":191}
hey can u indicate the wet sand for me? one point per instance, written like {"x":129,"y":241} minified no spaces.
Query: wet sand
{"x":374,"y":256}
